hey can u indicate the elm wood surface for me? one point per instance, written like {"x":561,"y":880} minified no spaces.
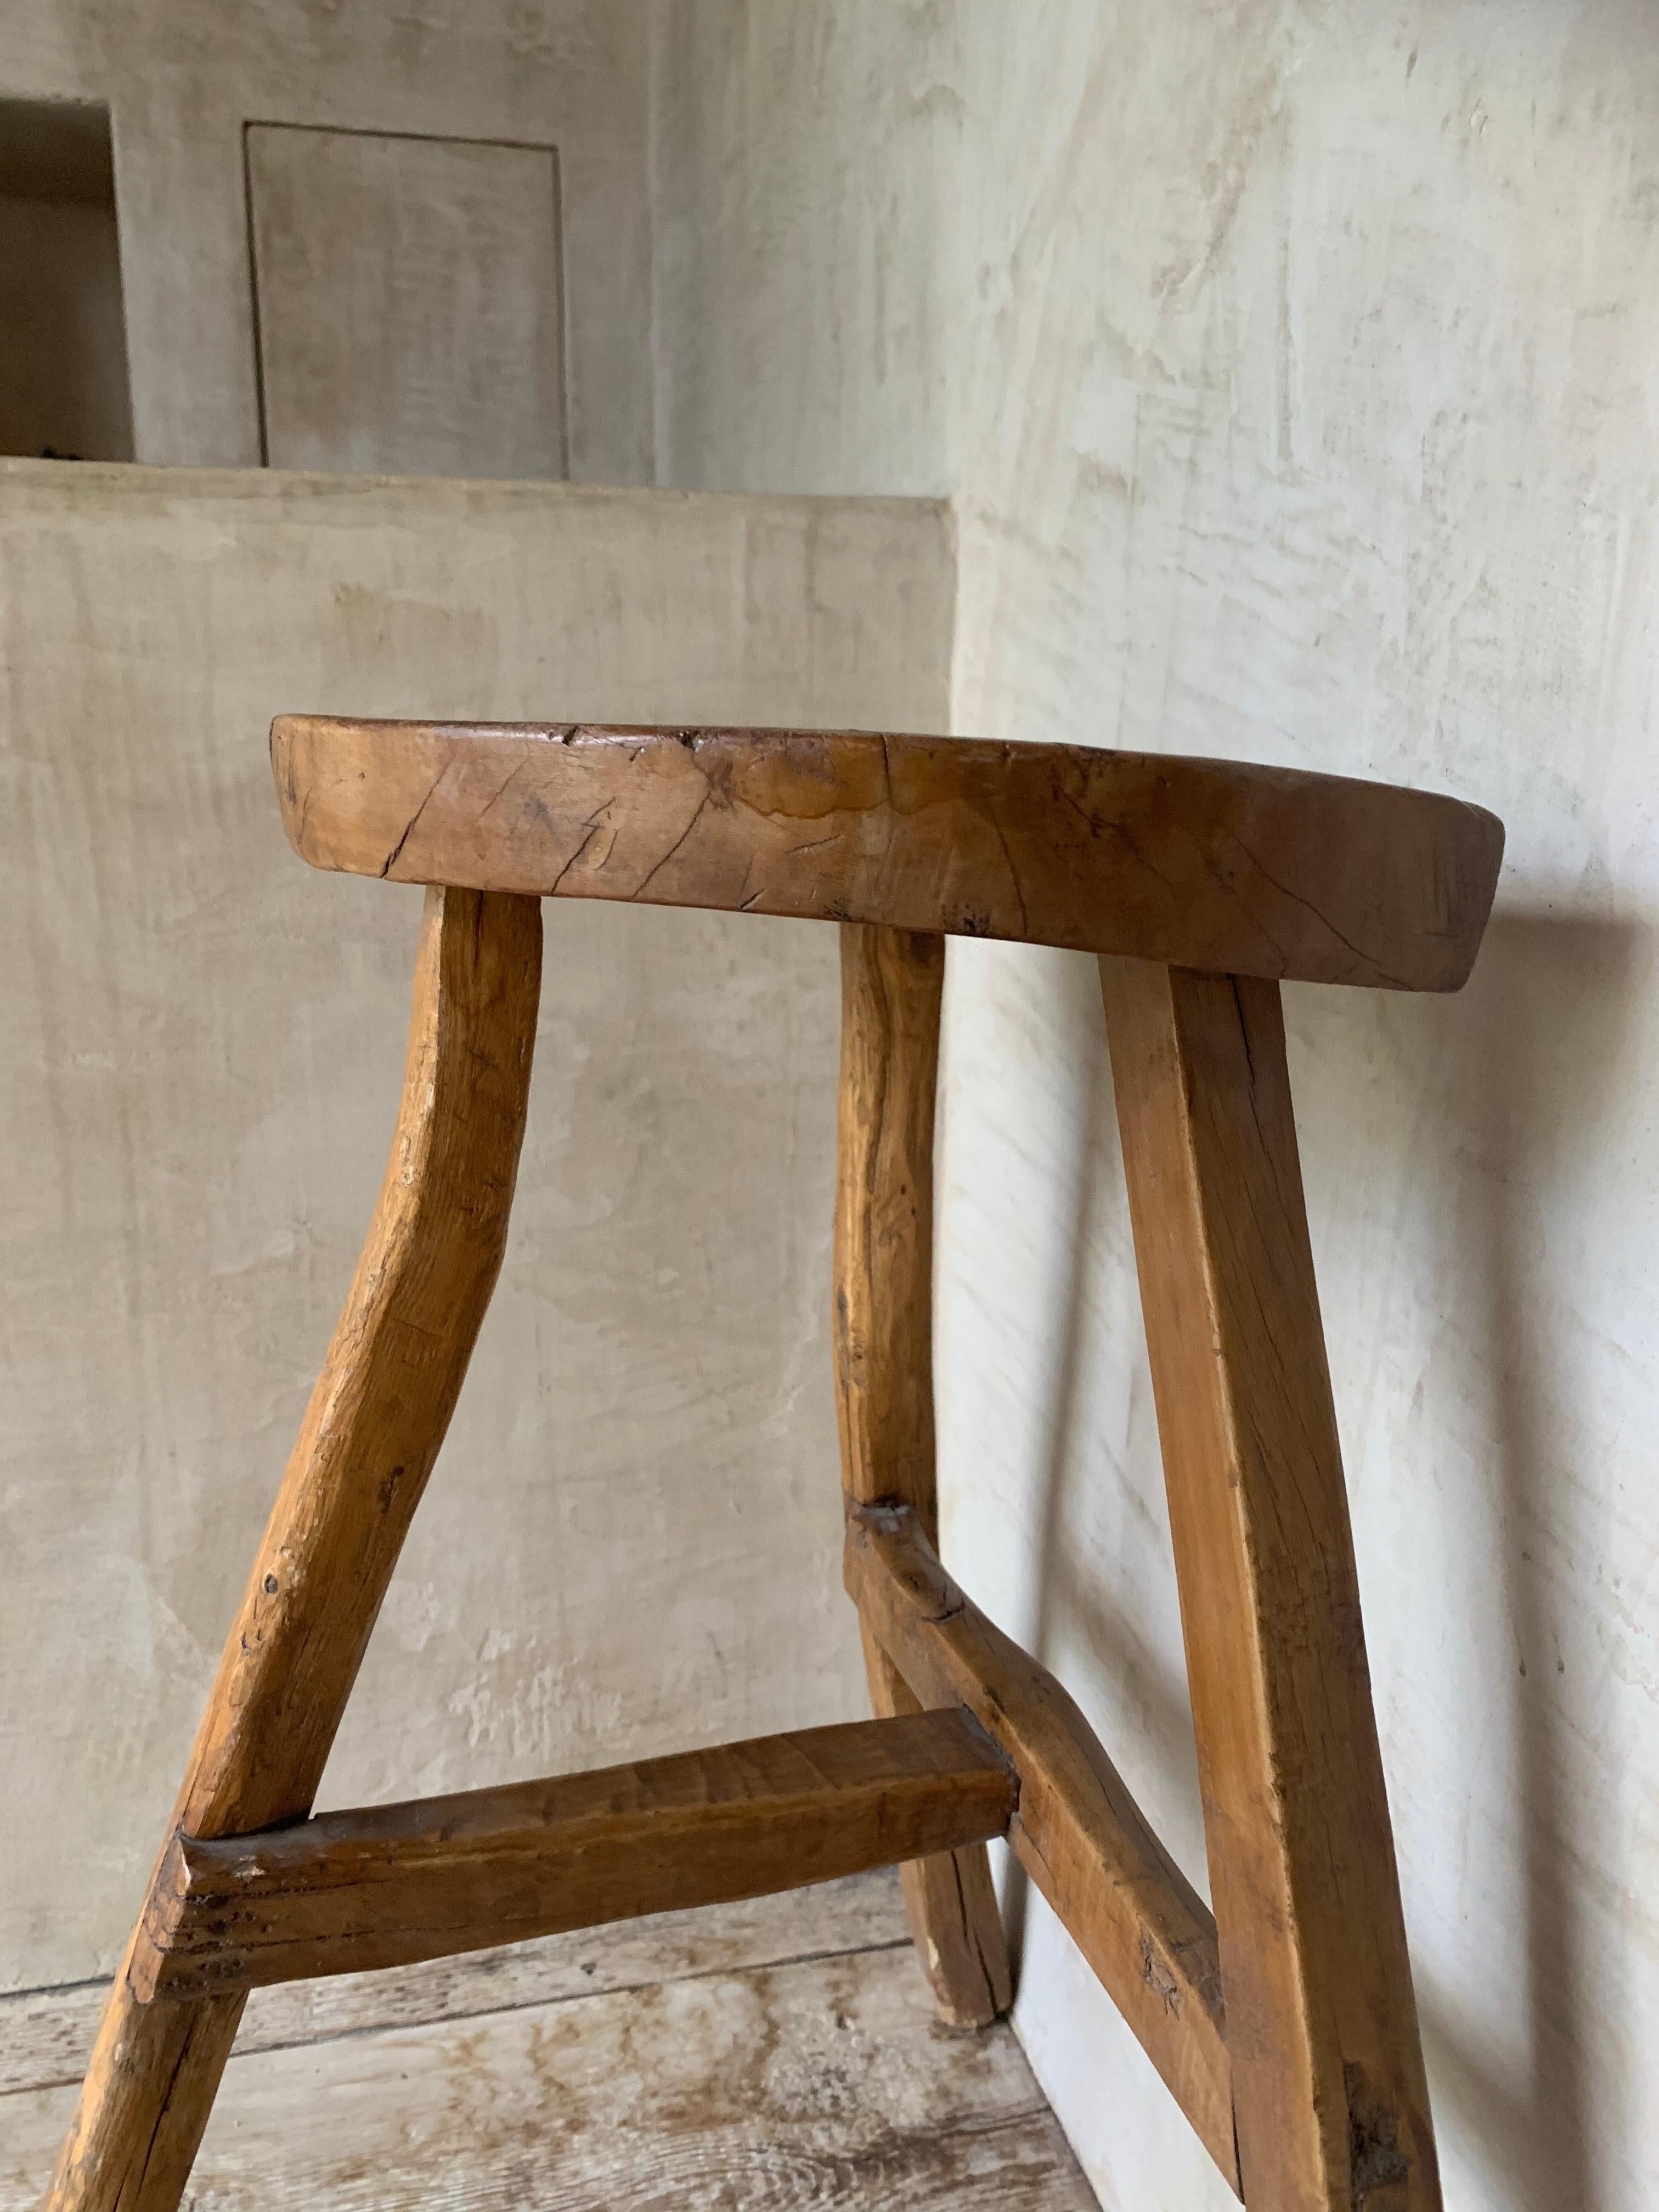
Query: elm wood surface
{"x":1332,"y":2104}
{"x":1077,"y":1832}
{"x":46,"y":2035}
{"x":394,"y":1884}
{"x":804,"y":2074}
{"x":892,"y":985}
{"x":1205,"y":864}
{"x":370,"y":1435}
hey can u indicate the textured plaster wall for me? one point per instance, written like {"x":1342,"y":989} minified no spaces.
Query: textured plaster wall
{"x":1291,"y":367}
{"x":181,"y":77}
{"x":631,"y":1542}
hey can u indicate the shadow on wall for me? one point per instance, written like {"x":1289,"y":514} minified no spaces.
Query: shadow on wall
{"x":1494,"y":1112}
{"x":1076,"y":1610}
{"x":1547,"y":1046}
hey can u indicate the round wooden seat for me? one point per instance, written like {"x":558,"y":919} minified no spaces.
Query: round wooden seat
{"x":1204,"y":864}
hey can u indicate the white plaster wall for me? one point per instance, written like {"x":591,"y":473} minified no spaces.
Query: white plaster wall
{"x":631,"y":1543}
{"x":1290,"y":364}
{"x":181,"y":77}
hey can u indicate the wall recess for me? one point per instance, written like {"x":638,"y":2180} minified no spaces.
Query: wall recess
{"x":63,"y":384}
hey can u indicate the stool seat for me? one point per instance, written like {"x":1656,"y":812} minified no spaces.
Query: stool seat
{"x":1209,"y":863}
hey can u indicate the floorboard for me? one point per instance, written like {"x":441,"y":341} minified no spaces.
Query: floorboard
{"x":761,"y":2058}
{"x":46,"y":2034}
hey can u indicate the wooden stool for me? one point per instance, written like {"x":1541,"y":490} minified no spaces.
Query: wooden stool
{"x":1284,"y":2025}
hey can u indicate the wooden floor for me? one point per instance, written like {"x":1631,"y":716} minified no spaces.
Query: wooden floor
{"x":778,"y":2054}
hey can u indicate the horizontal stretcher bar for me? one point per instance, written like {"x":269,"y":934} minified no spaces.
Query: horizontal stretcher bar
{"x":346,"y":1891}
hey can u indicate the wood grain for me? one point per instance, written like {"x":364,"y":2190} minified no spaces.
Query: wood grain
{"x":891,"y":982}
{"x":823,"y":2084}
{"x":392,"y":1884}
{"x":1332,"y":2104}
{"x":46,"y":2035}
{"x":1077,"y":1831}
{"x":1210,"y":864}
{"x":371,"y":1433}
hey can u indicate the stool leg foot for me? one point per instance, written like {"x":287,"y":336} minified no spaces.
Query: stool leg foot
{"x":1330,"y":2103}
{"x":892,"y":983}
{"x":371,"y":1433}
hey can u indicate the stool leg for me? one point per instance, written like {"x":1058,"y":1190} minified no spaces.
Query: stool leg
{"x":891,"y":984}
{"x":1331,"y":2106}
{"x":371,"y":1434}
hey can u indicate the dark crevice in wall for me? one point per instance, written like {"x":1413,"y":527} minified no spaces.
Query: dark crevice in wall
{"x":65,"y":390}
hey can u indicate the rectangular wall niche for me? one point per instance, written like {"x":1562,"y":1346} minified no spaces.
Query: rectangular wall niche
{"x":408,"y":299}
{"x":63,"y":386}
